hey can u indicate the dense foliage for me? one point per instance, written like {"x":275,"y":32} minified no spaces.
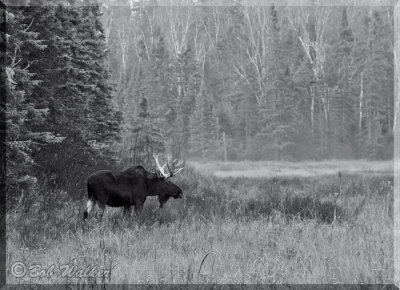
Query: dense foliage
{"x":60,"y":119}
{"x":262,"y":82}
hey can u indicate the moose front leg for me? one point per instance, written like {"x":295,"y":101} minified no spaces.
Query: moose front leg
{"x":127,"y":210}
{"x":162,"y":199}
{"x":138,"y":208}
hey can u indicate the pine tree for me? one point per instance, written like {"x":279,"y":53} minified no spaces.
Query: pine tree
{"x":22,"y":111}
{"x":183,"y":87}
{"x":74,"y":91}
{"x":204,"y":131}
{"x":103,"y":119}
{"x":148,"y":138}
{"x":76,"y":85}
{"x":342,"y":97}
{"x":279,"y":112}
{"x":378,"y":89}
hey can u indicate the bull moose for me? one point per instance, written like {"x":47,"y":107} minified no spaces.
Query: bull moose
{"x":131,"y":187}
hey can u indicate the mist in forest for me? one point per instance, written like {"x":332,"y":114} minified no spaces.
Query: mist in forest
{"x":253,"y":83}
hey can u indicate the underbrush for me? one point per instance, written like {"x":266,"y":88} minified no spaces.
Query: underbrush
{"x":39,"y":217}
{"x":234,"y":230}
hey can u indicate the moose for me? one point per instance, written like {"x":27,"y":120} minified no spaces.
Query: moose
{"x":131,"y":187}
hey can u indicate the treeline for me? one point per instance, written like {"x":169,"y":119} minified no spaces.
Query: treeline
{"x":85,"y":80}
{"x":59,"y":114}
{"x":238,"y":82}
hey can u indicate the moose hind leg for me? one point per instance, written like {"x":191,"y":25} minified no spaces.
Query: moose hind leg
{"x":101,"y":203}
{"x":89,"y":206}
{"x":102,"y":207}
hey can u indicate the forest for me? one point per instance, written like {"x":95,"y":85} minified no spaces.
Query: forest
{"x":233,"y":82}
{"x":244,"y":82}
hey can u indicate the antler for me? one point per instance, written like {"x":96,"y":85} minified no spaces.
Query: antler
{"x":172,"y":169}
{"x":161,"y":168}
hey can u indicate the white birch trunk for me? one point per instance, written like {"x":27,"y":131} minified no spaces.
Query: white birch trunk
{"x":361,"y":101}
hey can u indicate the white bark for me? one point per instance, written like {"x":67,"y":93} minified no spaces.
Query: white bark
{"x":312,"y":112}
{"x":361,"y":101}
{"x":179,"y":21}
{"x":256,"y":52}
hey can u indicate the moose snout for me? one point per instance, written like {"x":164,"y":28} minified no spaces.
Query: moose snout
{"x":178,"y":193}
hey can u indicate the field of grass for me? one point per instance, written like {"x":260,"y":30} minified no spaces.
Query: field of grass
{"x":294,"y":169}
{"x":259,"y":229}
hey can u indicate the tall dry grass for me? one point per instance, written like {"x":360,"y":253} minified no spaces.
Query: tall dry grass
{"x":231,"y":230}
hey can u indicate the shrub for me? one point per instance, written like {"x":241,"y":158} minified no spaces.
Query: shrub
{"x":65,"y":166}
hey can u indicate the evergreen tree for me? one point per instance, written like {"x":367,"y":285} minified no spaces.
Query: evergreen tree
{"x":343,"y":99}
{"x":74,"y":96}
{"x":378,"y":89}
{"x":22,"y":112}
{"x":279,"y":112}
{"x":103,"y":120}
{"x":148,"y":138}
{"x":241,"y":93}
{"x":75,"y":78}
{"x":204,"y":132}
{"x":183,"y":90}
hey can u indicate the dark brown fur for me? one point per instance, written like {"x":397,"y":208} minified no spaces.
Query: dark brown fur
{"x":127,"y":188}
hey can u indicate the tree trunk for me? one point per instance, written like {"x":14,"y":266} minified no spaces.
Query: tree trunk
{"x":361,"y":101}
{"x":312,"y":111}
{"x":396,"y":93}
{"x":321,"y":138}
{"x":247,"y":133}
{"x":389,"y":118}
{"x":224,"y":147}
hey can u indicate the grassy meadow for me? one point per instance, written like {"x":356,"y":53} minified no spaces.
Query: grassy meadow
{"x":271,"y":169}
{"x":265,"y":222}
